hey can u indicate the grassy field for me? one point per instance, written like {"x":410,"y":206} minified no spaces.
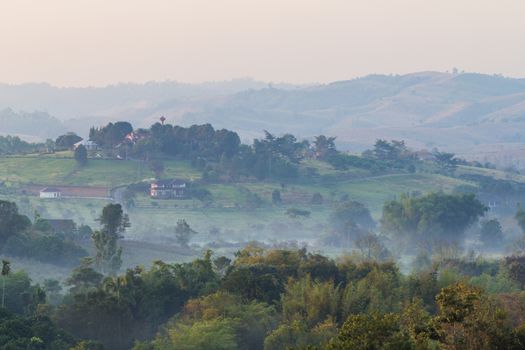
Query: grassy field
{"x":373,"y":191}
{"x":227,"y":219}
{"x":229,"y":208}
{"x":376,"y":190}
{"x":50,"y":169}
{"x":497,"y":174}
{"x":229,"y":211}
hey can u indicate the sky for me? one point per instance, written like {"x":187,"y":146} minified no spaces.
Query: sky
{"x":100,"y":42}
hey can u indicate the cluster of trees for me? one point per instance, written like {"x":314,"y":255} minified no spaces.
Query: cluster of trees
{"x":219,"y":153}
{"x":66,"y":141}
{"x":34,"y":332}
{"x":413,"y":222}
{"x":20,"y":237}
{"x":15,"y":145}
{"x":491,"y":189}
{"x":436,"y":216}
{"x":275,"y":299}
{"x":216,"y":152}
{"x":111,"y":134}
{"x":392,"y":151}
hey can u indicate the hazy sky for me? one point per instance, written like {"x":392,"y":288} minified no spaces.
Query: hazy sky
{"x":97,"y":42}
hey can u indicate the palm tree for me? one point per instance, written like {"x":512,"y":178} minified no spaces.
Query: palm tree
{"x":6,"y":269}
{"x":113,"y":285}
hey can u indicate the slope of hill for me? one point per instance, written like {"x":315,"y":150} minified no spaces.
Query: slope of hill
{"x":462,"y":112}
{"x":426,"y":109}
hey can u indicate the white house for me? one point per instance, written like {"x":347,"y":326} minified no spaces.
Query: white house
{"x":50,"y":192}
{"x":168,"y":189}
{"x":90,"y":145}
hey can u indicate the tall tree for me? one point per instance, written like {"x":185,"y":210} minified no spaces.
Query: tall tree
{"x":392,"y":151}
{"x":324,"y":146}
{"x":108,"y":254}
{"x":491,"y":234}
{"x":6,"y":269}
{"x":183,"y":233}
{"x":11,"y":222}
{"x":81,"y":155}
{"x":520,"y":218}
{"x":446,"y":161}
{"x":67,"y":140}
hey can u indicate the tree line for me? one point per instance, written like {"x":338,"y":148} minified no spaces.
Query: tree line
{"x":271,"y":299}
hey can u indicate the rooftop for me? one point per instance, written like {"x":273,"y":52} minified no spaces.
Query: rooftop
{"x":50,"y":190}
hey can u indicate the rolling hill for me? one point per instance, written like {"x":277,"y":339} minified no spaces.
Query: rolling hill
{"x":478,"y":116}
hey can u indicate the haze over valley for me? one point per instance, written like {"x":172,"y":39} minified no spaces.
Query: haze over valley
{"x":475,"y":115}
{"x":262,"y":175}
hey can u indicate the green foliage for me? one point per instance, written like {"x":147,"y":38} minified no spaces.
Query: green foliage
{"x":11,"y":222}
{"x":120,"y":309}
{"x":349,"y":221}
{"x":297,"y":335}
{"x":15,"y":145}
{"x":83,"y":279}
{"x":200,"y":193}
{"x":84,"y":232}
{"x":372,"y":332}
{"x":351,"y":211}
{"x":343,"y":161}
{"x":183,"y":233}
{"x":377,"y":289}
{"x":37,"y":332}
{"x":250,"y":321}
{"x":88,"y":345}
{"x":436,"y":216}
{"x":216,"y":334}
{"x":324,"y":146}
{"x":391,"y":151}
{"x":45,"y":248}
{"x":371,"y":247}
{"x":310,"y":301}
{"x":515,"y":266}
{"x":491,"y":234}
{"x":42,"y":225}
{"x":467,"y":319}
{"x":81,"y":155}
{"x":21,"y":296}
{"x":254,"y":282}
{"x":110,"y":135}
{"x":520,"y":218}
{"x":108,"y":255}
{"x":446,"y":161}
{"x":499,"y":283}
{"x":67,"y":141}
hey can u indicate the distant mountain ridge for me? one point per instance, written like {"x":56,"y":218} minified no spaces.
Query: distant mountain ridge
{"x":460,"y":112}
